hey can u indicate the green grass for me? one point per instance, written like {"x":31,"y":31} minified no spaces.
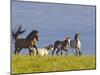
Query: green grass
{"x":28,"y":64}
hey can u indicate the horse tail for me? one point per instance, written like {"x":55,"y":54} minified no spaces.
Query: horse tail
{"x":14,"y":35}
{"x":18,"y":32}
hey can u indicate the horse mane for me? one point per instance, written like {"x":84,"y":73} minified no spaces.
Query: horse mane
{"x":32,"y":34}
{"x":76,"y":36}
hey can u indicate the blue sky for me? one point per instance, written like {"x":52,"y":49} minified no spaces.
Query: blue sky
{"x":55,"y":21}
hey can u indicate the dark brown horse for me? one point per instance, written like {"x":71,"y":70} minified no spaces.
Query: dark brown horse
{"x":61,"y":45}
{"x":28,"y":42}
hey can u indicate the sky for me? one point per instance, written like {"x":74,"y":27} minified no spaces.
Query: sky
{"x":55,"y":22}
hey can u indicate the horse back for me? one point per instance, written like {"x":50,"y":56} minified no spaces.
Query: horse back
{"x":75,"y":43}
{"x":57,"y":43}
{"x":22,"y":43}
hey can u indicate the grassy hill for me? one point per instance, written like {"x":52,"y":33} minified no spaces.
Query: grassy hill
{"x":30,"y":64}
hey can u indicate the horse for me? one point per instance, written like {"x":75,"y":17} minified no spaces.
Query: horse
{"x":43,"y":51}
{"x":61,"y":45}
{"x":76,"y":44}
{"x":28,"y":42}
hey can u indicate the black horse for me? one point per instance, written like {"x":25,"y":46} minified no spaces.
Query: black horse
{"x":28,"y":42}
{"x":61,"y":45}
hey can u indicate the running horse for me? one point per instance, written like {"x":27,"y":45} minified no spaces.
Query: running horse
{"x":61,"y":45}
{"x":76,"y":44}
{"x":28,"y":42}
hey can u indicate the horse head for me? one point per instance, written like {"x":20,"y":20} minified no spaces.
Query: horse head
{"x":33,"y":35}
{"x":49,"y":47}
{"x":76,"y":37}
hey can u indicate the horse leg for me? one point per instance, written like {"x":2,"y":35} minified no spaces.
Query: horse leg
{"x":79,"y":52}
{"x":18,"y":51}
{"x":29,"y":51}
{"x":61,"y":52}
{"x":15,"y":50}
{"x":53,"y":51}
{"x":66,"y":51}
{"x":36,"y":49}
{"x":57,"y":51}
{"x":73,"y":51}
{"x":76,"y":52}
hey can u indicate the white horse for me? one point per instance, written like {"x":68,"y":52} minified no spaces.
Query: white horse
{"x":43,"y":51}
{"x":76,"y":44}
